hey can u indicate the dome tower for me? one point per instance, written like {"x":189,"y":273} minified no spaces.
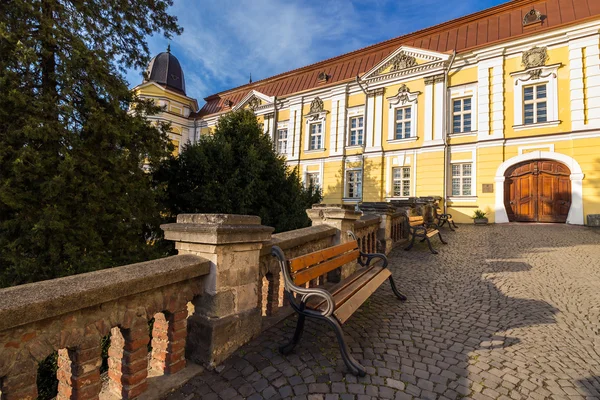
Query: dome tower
{"x":165,"y":70}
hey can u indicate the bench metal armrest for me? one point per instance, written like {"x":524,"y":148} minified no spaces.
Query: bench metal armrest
{"x":306,"y":293}
{"x":430,"y":225}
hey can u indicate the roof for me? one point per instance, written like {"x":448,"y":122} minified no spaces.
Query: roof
{"x":496,"y":24}
{"x":165,"y":70}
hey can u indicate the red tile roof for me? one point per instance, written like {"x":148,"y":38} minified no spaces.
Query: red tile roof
{"x":483,"y":28}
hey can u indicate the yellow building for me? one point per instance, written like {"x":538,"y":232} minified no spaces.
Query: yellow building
{"x":498,"y":110}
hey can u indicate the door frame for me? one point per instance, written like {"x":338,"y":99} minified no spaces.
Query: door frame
{"x":575,"y":216}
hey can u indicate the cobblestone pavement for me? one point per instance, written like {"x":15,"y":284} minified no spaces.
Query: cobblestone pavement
{"x":503,"y":311}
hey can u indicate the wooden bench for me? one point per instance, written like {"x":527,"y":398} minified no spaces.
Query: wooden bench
{"x":334,"y":304}
{"x":441,"y":217}
{"x":419,"y":229}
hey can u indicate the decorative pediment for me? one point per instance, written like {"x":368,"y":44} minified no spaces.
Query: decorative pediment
{"x":255,"y":100}
{"x":406,"y":60}
{"x":403,"y":96}
{"x":317,"y":110}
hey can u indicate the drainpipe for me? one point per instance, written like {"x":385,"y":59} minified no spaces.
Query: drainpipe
{"x":275,"y":138}
{"x":445,"y":129}
{"x":364,"y":143}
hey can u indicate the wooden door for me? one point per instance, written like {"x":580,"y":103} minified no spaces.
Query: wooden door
{"x":538,"y":191}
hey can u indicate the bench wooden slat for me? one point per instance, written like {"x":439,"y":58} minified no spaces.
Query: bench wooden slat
{"x":349,"y":307}
{"x":308,"y":274}
{"x":317,"y":302}
{"x":344,"y":294}
{"x":432,"y":232}
{"x":317,"y":257}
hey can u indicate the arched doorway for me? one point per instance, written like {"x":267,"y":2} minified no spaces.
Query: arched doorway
{"x":538,"y":191}
{"x":576,"y":210}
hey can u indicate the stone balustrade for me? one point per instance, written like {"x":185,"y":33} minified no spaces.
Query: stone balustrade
{"x":366,"y":230}
{"x":201,"y":305}
{"x":71,"y":316}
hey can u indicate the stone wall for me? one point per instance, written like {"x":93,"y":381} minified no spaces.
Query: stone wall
{"x":71,"y":315}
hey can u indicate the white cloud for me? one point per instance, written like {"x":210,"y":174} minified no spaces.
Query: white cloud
{"x":223,"y":42}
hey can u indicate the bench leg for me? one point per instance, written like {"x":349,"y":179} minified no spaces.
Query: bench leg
{"x":353,"y":365}
{"x":430,"y":246}
{"x":395,"y":290}
{"x":453,"y":223}
{"x":412,"y":243}
{"x":287,"y":348}
{"x":441,"y":239}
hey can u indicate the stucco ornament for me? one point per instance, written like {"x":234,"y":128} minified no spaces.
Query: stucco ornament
{"x":535,"y":57}
{"x":254,"y":103}
{"x":316,"y":106}
{"x":403,"y":92}
{"x":402,"y":61}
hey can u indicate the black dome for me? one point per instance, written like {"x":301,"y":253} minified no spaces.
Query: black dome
{"x":165,"y":70}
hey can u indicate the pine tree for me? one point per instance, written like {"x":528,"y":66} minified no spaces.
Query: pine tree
{"x":236,"y":170}
{"x":73,"y":195}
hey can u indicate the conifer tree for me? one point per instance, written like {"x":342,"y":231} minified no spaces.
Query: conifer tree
{"x":73,"y":195}
{"x":236,"y":170}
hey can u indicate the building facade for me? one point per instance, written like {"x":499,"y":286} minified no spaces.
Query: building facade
{"x":498,"y":111}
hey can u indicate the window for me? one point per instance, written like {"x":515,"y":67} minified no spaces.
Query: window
{"x":535,"y":104}
{"x":356,"y":131}
{"x":316,"y":136}
{"x":403,"y":121}
{"x":461,"y":115}
{"x":401,"y":181}
{"x":353,"y":184}
{"x":461,"y":179}
{"x":312,"y":179}
{"x":282,"y":136}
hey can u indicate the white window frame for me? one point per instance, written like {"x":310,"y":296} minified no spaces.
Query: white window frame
{"x":279,"y":140}
{"x":409,"y":100}
{"x":350,"y":130}
{"x":462,"y":177}
{"x":320,"y":135}
{"x":309,"y":175}
{"x":535,"y":101}
{"x":549,"y":76}
{"x":462,"y":92}
{"x":402,"y":181}
{"x":403,"y":121}
{"x":462,"y":114}
{"x":347,"y":183}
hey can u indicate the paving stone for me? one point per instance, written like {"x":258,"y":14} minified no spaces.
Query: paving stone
{"x":503,"y":311}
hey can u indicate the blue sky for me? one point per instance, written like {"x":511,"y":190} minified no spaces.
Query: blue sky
{"x":226,"y":40}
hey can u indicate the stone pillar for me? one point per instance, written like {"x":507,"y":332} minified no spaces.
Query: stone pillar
{"x":79,"y":372}
{"x":339,"y":216}
{"x":22,"y":386}
{"x":128,"y":361}
{"x":228,"y":314}
{"x":169,"y":334}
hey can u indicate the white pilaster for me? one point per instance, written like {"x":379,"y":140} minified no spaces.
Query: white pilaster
{"x":438,"y":108}
{"x":295,"y":130}
{"x":338,"y":124}
{"x":491,"y":98}
{"x":584,"y":82}
{"x":378,"y":122}
{"x":369,"y":126}
{"x":428,"y":126}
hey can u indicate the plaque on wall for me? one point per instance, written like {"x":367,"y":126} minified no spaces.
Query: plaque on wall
{"x":487,"y":188}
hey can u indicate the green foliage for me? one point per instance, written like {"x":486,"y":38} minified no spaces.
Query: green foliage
{"x":47,"y":382}
{"x":236,"y":171}
{"x":73,"y":196}
{"x":479,"y":214}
